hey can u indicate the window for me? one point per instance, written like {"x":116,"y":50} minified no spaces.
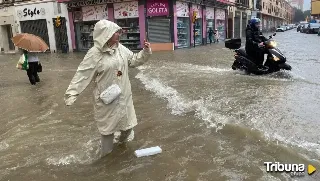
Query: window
{"x":59,"y":8}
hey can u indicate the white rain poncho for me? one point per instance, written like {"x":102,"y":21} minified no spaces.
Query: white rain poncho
{"x":101,"y":65}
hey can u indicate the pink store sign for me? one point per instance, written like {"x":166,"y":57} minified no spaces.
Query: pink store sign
{"x":157,"y":8}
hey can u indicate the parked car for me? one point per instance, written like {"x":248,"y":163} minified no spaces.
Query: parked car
{"x":313,"y":28}
{"x":281,"y":29}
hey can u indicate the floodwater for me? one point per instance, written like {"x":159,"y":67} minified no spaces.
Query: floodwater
{"x":212,"y":123}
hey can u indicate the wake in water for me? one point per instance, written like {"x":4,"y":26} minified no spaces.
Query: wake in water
{"x":206,"y":108}
{"x":180,"y":105}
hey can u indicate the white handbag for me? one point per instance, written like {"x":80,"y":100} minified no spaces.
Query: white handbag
{"x":110,"y":94}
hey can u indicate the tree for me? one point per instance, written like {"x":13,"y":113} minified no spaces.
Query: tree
{"x":298,"y":15}
{"x":306,"y":13}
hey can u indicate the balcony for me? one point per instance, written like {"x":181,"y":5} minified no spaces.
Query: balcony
{"x":242,"y":4}
{"x":6,"y":1}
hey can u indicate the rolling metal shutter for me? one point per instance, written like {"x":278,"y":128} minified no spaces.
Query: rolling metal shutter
{"x":159,"y":30}
{"x":36,"y":27}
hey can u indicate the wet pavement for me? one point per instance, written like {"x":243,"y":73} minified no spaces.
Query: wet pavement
{"x":212,"y":123}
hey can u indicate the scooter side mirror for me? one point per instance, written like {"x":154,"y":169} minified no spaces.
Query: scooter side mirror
{"x":274,"y":34}
{"x":270,"y":37}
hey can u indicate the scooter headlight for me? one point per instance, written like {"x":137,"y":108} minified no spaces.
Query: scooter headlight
{"x":275,"y":58}
{"x":273,"y":44}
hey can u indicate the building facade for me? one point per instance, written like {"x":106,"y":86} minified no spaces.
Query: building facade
{"x":297,"y":4}
{"x":315,"y":9}
{"x":38,"y":18}
{"x":238,"y":16}
{"x":34,"y":17}
{"x":8,"y":26}
{"x":167,"y":24}
{"x":273,"y":13}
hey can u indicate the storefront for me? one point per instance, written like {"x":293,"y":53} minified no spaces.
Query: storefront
{"x":182,"y":36}
{"x":198,"y":25}
{"x":209,"y":21}
{"x":84,"y":24}
{"x":158,"y":22}
{"x":38,"y":18}
{"x":126,"y":15}
{"x":220,"y":16}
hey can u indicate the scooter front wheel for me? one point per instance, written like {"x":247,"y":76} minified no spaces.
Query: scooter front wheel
{"x":285,"y":66}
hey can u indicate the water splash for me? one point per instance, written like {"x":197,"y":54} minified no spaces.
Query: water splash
{"x":179,"y":105}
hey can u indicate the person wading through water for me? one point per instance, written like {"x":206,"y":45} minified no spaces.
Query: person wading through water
{"x":210,"y":33}
{"x":106,"y":63}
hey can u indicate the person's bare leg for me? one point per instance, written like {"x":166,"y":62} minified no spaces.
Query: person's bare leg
{"x":106,"y":144}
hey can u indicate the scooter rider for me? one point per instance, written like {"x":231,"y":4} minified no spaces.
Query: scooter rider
{"x":254,"y":42}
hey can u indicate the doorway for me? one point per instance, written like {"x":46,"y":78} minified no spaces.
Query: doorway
{"x":9,"y":35}
{"x":60,"y":33}
{"x":230,"y":28}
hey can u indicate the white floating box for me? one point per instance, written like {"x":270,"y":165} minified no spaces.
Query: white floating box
{"x":148,"y":151}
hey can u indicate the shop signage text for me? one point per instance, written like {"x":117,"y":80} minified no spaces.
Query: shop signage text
{"x":220,"y":14}
{"x":91,"y":13}
{"x":126,"y":10}
{"x":210,"y":13}
{"x":158,"y":8}
{"x":182,"y":9}
{"x":32,"y":12}
{"x":93,"y":2}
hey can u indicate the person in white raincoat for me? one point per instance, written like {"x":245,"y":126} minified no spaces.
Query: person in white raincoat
{"x":107,"y":64}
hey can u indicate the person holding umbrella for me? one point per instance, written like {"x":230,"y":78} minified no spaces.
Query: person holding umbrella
{"x":33,"y":66}
{"x":29,"y":61}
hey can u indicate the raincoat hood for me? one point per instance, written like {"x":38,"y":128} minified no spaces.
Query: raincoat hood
{"x":103,"y":31}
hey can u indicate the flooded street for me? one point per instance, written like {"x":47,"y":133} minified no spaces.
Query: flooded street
{"x":213,"y":123}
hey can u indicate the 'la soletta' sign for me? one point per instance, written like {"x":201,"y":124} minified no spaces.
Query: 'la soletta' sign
{"x":157,"y":8}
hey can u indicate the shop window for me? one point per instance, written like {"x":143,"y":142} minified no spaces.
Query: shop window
{"x":59,"y":7}
{"x":183,"y":32}
{"x":85,"y":34}
{"x":210,"y":26}
{"x":130,"y":37}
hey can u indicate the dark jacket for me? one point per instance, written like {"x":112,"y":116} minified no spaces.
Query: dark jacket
{"x":253,"y":38}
